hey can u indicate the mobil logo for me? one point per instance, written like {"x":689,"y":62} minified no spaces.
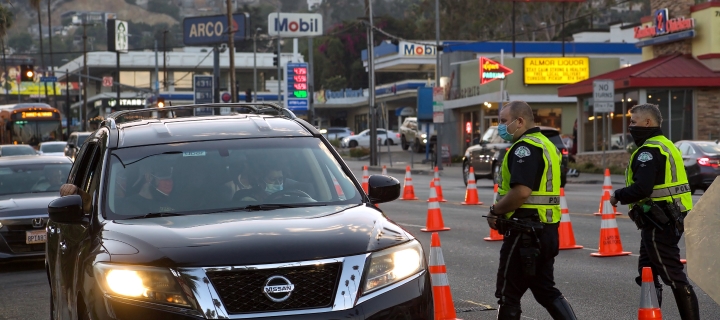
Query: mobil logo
{"x":416,"y":49}
{"x":295,"y":24}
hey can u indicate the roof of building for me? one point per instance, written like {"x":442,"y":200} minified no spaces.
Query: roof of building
{"x":677,"y":71}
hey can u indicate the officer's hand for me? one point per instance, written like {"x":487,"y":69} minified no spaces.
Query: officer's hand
{"x":613,"y":201}
{"x":68,"y":189}
{"x":492,"y":221}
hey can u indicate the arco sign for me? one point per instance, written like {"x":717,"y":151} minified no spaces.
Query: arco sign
{"x":491,"y":70}
{"x":211,"y":30}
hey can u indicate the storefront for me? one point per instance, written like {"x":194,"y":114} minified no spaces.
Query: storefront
{"x":680,"y":73}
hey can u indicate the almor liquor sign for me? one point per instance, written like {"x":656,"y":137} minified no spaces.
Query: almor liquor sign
{"x":664,"y":30}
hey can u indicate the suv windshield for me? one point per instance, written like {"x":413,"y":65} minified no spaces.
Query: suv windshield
{"x":55,"y":147}
{"x":28,"y":178}
{"x":211,"y":176}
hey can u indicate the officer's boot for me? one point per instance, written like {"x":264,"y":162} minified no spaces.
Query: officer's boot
{"x":506,"y":312}
{"x":560,"y":309}
{"x":687,"y":303}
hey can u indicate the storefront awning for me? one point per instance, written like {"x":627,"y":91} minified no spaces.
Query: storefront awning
{"x":673,"y":71}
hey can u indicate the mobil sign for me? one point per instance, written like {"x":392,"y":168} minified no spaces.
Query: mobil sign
{"x":416,"y":49}
{"x":293,"y":25}
{"x":212,"y":30}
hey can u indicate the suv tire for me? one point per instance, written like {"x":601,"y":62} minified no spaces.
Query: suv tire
{"x":352,"y":144}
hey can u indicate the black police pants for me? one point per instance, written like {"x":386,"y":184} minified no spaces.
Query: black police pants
{"x":659,"y":250}
{"x":511,"y":281}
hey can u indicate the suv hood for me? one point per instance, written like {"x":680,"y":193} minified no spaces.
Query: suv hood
{"x":26,"y":204}
{"x":246,"y":238}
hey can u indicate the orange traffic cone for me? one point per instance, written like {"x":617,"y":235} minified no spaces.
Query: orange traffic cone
{"x":442,"y":296}
{"x":567,"y":237}
{"x":495,"y":192}
{"x":607,"y":187}
{"x":438,"y":187}
{"x":610,"y":243}
{"x":606,"y":193}
{"x":408,"y":189}
{"x":471,"y":194}
{"x":365,"y":179}
{"x":494,"y":235}
{"x":338,"y":189}
{"x":384,"y":171}
{"x":434,"y":215}
{"x":649,"y":307}
{"x":683,"y":261}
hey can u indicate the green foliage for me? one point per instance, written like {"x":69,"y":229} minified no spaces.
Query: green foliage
{"x":334,"y":83}
{"x":21,"y":42}
{"x":589,"y":167}
{"x":335,"y":143}
{"x":359,"y":152}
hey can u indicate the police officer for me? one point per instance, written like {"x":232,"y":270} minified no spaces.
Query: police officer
{"x":659,"y":196}
{"x":528,"y":197}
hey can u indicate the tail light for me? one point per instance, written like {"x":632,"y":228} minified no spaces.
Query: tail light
{"x":397,"y":135}
{"x":707,"y":162}
{"x":565,"y":152}
{"x":352,"y":133}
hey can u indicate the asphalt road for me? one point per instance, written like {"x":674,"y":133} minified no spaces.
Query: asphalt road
{"x":598,"y":288}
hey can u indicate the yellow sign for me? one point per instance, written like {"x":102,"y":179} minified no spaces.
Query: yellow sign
{"x":551,"y":70}
{"x":47,"y":114}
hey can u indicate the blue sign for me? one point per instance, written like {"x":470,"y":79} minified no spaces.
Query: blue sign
{"x":203,"y":88}
{"x":297,"y":96}
{"x":211,"y":30}
{"x":48,"y":79}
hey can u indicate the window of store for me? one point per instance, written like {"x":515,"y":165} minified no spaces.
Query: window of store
{"x":593,"y":124}
{"x":548,"y":117}
{"x":361,"y":122}
{"x":140,"y":79}
{"x":183,"y":81}
{"x":676,"y":107}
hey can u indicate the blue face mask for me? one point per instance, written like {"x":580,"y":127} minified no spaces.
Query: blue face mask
{"x":272,"y":188}
{"x":503,"y":133}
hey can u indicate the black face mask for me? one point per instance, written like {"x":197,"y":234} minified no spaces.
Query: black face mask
{"x":641,"y":134}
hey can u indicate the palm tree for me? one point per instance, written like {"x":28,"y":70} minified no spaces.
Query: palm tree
{"x":35,"y":4}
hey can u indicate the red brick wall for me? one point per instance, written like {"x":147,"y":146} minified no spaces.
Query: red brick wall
{"x":708,"y":113}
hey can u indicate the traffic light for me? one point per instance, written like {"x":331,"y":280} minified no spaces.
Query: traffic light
{"x":248,"y":95}
{"x":160,"y":102}
{"x":275,"y":58}
{"x":27,"y":72}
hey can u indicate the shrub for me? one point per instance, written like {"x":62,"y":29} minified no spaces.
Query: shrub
{"x":335,"y":143}
{"x":359,"y":152}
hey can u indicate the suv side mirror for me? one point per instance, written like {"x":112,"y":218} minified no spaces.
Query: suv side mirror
{"x":67,"y":209}
{"x":383,"y":188}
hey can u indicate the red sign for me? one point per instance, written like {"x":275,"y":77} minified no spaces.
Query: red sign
{"x":299,"y":70}
{"x":468,"y":127}
{"x":107,"y":81}
{"x":662,"y":25}
{"x":492,"y":70}
{"x":300,"y":78}
{"x":300,"y":86}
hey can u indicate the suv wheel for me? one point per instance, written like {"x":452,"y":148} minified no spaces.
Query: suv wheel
{"x":496,"y":173}
{"x":352,"y":144}
{"x":403,"y":143}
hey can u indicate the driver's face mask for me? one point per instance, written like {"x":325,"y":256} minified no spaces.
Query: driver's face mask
{"x":272,"y":188}
{"x":274,"y":182}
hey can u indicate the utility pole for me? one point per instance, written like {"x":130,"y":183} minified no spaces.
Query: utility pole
{"x":279,"y":68}
{"x":157,"y":73}
{"x":311,"y":81}
{"x":438,"y":151}
{"x":67,"y":102}
{"x":42,"y":61}
{"x":255,"y":63}
{"x":216,"y":75}
{"x":52,"y":69}
{"x":231,"y":49}
{"x":371,"y":78}
{"x":165,"y":75}
{"x":7,"y":94}
{"x":83,"y":114}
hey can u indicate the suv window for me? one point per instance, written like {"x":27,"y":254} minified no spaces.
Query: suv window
{"x":201,"y":176}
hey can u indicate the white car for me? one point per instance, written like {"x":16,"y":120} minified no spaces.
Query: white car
{"x":363,"y":138}
{"x":52,"y":148}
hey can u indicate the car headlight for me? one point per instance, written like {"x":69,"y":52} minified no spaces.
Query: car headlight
{"x":149,"y":284}
{"x":424,"y":135}
{"x":424,"y":140}
{"x":393,"y":264}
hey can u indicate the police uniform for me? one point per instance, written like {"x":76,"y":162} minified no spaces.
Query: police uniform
{"x":532,"y":161}
{"x":656,"y":172}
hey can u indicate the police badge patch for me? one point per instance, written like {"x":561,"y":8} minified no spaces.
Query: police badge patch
{"x":644,"y":157}
{"x":522,"y":152}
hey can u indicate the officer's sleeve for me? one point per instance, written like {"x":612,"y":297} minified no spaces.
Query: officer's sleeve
{"x":525,"y":161}
{"x":645,"y":170}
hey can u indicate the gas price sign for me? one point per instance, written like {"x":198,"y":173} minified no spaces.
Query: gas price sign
{"x":296,"y":97}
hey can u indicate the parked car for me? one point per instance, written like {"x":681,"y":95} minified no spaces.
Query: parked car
{"x":414,"y":134}
{"x":75,"y":141}
{"x":7,"y":150}
{"x":27,"y":185}
{"x":336,"y":133}
{"x":363,"y":138}
{"x":202,"y":246}
{"x":702,"y":162}
{"x":52,"y":148}
{"x":486,"y":156}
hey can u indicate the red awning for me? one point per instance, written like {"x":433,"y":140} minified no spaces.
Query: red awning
{"x":673,"y":71}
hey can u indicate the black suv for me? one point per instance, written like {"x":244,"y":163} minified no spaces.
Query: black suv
{"x":247,"y":215}
{"x":485,"y":157}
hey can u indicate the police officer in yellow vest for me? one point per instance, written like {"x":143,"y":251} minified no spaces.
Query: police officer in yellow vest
{"x":659,"y":196}
{"x":527,"y":213}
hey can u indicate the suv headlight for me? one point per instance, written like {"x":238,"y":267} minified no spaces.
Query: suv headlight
{"x":142,"y":283}
{"x":393,"y":264}
{"x":424,"y":135}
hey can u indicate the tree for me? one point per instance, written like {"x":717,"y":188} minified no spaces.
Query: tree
{"x":6,"y":20}
{"x":21,"y":42}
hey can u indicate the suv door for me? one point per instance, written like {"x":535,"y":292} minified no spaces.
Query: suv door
{"x":482,"y":158}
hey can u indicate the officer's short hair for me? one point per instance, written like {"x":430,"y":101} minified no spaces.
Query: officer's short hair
{"x":649,"y":109}
{"x":520,"y":109}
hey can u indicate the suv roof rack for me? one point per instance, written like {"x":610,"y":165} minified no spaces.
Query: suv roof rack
{"x":188,"y":111}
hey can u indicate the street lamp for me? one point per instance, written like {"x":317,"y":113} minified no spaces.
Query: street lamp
{"x":255,"y":62}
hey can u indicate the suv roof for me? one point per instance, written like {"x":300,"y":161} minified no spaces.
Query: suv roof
{"x":177,"y":124}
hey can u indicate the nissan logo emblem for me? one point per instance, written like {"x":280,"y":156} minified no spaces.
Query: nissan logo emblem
{"x":278,"y":288}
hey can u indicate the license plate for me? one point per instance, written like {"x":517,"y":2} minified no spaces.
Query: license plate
{"x":35,"y":236}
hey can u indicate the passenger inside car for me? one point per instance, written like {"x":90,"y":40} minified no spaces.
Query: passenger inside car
{"x":53,"y":178}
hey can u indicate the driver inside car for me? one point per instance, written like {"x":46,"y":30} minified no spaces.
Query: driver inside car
{"x":271,"y":181}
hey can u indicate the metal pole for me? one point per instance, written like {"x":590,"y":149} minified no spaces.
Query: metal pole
{"x":42,"y":61}
{"x":67,"y":102}
{"x":311,"y":81}
{"x":231,"y":49}
{"x":7,"y":79}
{"x":513,"y":28}
{"x":157,"y":73}
{"x":604,"y":136}
{"x":438,"y":145}
{"x":279,"y":68}
{"x":624,"y":121}
{"x":117,"y":67}
{"x":371,"y":65}
{"x":52,"y":69}
{"x":216,"y":75}
{"x":502,"y":82}
{"x":83,"y":115}
{"x":255,"y":66}
{"x":165,"y":76}
{"x":562,"y":35}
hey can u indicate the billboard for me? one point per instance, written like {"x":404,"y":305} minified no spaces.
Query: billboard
{"x":117,"y":35}
{"x":555,"y":70}
{"x":211,"y":30}
{"x":293,"y":25}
